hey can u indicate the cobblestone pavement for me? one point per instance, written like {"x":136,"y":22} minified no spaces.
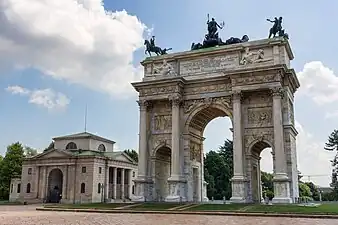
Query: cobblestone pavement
{"x":26,"y":215}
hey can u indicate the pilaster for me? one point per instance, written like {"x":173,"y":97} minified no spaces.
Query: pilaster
{"x":238,"y":181}
{"x":281,"y":180}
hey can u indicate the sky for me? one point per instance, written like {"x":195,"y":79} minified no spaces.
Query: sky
{"x":56,"y":57}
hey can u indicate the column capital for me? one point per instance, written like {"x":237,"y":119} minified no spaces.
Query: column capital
{"x":175,"y":99}
{"x":143,"y":104}
{"x":237,"y":95}
{"x":277,"y":91}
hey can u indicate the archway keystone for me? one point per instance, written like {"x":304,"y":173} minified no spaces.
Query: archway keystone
{"x":258,"y":97}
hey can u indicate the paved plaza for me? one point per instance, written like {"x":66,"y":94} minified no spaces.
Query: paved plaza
{"x":26,"y":215}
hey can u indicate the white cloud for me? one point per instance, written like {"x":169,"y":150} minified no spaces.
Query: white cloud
{"x":318,"y":82}
{"x":76,"y":41}
{"x":46,"y":98}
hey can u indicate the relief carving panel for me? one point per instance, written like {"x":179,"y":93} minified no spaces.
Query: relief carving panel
{"x":195,"y":151}
{"x":259,"y":117}
{"x":165,"y":69}
{"x":159,"y":90}
{"x":257,"y":134}
{"x":209,"y":64}
{"x":208,"y":89}
{"x":191,"y":104}
{"x":255,"y":79}
{"x":162,"y":123}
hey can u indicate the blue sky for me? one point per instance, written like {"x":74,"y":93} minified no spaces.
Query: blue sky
{"x":34,"y":58}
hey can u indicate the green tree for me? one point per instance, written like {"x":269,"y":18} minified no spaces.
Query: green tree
{"x":332,"y":145}
{"x":218,"y":171}
{"x":132,"y":154}
{"x":304,"y":190}
{"x":11,"y":165}
{"x":29,"y":152}
{"x":50,"y":146}
{"x":314,"y":190}
{"x":267,"y":184}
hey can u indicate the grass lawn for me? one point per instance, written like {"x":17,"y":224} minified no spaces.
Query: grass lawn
{"x":217,"y":207}
{"x":155,"y":206}
{"x":321,"y":209}
{"x":87,"y":206}
{"x":9,"y":203}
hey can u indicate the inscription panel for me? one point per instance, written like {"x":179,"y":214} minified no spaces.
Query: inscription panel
{"x":209,"y":64}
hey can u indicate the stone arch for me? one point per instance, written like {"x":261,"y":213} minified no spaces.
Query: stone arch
{"x":254,"y":170}
{"x":162,"y":170}
{"x":55,"y":184}
{"x":71,"y":146}
{"x":216,"y":109}
{"x":101,"y":148}
{"x":158,"y":146}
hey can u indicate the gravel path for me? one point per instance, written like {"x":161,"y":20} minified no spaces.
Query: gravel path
{"x":26,"y":215}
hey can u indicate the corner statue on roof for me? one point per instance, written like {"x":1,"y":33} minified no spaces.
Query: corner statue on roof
{"x":151,"y":47}
{"x":277,"y":28}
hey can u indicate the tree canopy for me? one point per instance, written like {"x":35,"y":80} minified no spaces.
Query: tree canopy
{"x":132,"y":154}
{"x":332,"y":145}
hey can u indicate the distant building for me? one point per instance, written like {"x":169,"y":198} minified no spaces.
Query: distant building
{"x":81,"y":168}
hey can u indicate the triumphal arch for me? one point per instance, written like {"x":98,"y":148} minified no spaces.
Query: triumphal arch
{"x":253,"y":84}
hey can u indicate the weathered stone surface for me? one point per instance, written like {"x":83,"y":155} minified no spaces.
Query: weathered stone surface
{"x":248,"y":82}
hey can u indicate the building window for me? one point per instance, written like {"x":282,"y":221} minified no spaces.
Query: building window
{"x":28,"y":189}
{"x":71,"y":146}
{"x":101,"y":148}
{"x":133,"y":173}
{"x":100,"y":170}
{"x":133,"y":189}
{"x":11,"y":188}
{"x":99,"y":188}
{"x":29,"y":170}
{"x":18,"y":188}
{"x":84,"y":169}
{"x":83,"y":188}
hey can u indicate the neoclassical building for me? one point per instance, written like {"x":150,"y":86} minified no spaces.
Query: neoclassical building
{"x":83,"y":167}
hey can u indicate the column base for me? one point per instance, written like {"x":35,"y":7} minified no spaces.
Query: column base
{"x":281,"y":185}
{"x":238,"y":185}
{"x":176,"y":189}
{"x":143,"y":192}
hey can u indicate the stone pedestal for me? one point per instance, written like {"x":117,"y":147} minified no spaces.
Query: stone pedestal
{"x":176,"y":190}
{"x":239,"y":192}
{"x":142,"y":191}
{"x":205,"y":197}
{"x":281,"y":190}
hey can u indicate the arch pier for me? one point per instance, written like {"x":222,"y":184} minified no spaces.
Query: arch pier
{"x":253,"y":84}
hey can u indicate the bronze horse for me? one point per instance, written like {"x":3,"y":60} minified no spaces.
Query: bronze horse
{"x":157,"y":50}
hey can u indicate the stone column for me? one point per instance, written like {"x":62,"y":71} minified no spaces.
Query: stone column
{"x":43,"y":182}
{"x":130,"y":183}
{"x":142,"y":181}
{"x":106,"y":184}
{"x":176,"y":181}
{"x":281,"y":181}
{"x":238,"y":180}
{"x":114,"y":182}
{"x":122,"y":183}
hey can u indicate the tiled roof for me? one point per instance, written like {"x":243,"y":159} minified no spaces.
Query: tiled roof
{"x":84,"y":135}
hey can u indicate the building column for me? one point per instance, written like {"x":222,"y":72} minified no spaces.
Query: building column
{"x":122,"y":183}
{"x":43,"y":183}
{"x":130,"y":183}
{"x":106,"y":184}
{"x":281,"y":181}
{"x":142,"y":181}
{"x":37,"y":177}
{"x":114,"y":182}
{"x":176,"y":181}
{"x":238,"y":181}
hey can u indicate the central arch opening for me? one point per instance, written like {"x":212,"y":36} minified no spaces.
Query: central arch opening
{"x":55,"y":182}
{"x":210,"y":145}
{"x":162,"y":172}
